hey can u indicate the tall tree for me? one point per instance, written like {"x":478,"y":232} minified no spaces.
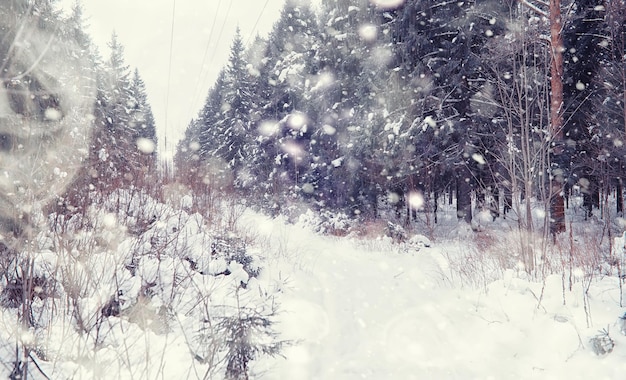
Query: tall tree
{"x":227,"y":120}
{"x":557,"y":205}
{"x":143,"y":159}
{"x":76,"y":198}
{"x":556,"y":23}
{"x":343,"y":94}
{"x":207,"y":141}
{"x":585,"y":38}
{"x":610,"y":87}
{"x":286,"y":114}
{"x":114,"y":136}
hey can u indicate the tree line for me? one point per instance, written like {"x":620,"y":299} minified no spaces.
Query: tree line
{"x":123,"y":140}
{"x":357,"y":103}
{"x":73,"y":123}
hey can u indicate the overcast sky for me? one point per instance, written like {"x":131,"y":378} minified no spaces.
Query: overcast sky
{"x":203,"y":32}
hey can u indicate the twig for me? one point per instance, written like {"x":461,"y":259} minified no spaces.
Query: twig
{"x":30,"y":355}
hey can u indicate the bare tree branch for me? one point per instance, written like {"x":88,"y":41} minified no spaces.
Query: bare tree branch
{"x":535,"y":8}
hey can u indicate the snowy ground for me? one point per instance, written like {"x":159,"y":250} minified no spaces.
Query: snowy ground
{"x":363,"y":310}
{"x":350,"y":308}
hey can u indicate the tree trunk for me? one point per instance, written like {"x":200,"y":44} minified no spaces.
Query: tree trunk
{"x":435,"y":205}
{"x":619,"y":197}
{"x":557,"y":204}
{"x":463,"y":195}
{"x":495,"y":202}
{"x":508,"y":200}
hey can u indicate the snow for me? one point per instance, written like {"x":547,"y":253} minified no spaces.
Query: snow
{"x":146,"y":146}
{"x":341,"y":37}
{"x":350,"y":307}
{"x":365,"y":310}
{"x":387,"y":4}
{"x":368,"y":32}
{"x":337,"y":162}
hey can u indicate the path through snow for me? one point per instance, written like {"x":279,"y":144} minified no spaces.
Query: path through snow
{"x":364,"y":311}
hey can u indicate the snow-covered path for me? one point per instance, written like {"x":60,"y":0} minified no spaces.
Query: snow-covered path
{"x":355,"y":316}
{"x":372,"y":315}
{"x":365,"y":312}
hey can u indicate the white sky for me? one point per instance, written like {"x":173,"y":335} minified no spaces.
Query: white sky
{"x":203,"y":32}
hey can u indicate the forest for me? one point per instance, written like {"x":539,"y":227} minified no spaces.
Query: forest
{"x":376,"y":189}
{"x":360,"y":105}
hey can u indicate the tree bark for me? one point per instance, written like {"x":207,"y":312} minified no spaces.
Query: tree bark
{"x":463,"y":195}
{"x":557,"y":204}
{"x":619,"y":197}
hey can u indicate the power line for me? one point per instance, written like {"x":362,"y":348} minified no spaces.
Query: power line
{"x":204,"y":57}
{"x":204,"y":73}
{"x":169,"y":72}
{"x":219,"y":38}
{"x":257,"y":22}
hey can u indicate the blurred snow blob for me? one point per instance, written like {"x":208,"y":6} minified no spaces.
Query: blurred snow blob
{"x":368,"y":32}
{"x":308,"y":188}
{"x":416,"y":200}
{"x":293,"y":149}
{"x":268,"y":128}
{"x":145,"y":146}
{"x":329,"y":130}
{"x":430,"y":121}
{"x":46,"y":104}
{"x":194,"y":146}
{"x":297,"y":121}
{"x":479,"y":158}
{"x":393,"y":198}
{"x":324,"y":80}
{"x":387,"y":4}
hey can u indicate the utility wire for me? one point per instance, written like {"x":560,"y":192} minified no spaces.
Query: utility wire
{"x":219,"y":38}
{"x":203,"y":74}
{"x":196,"y":92}
{"x":169,"y":72}
{"x":257,"y":22}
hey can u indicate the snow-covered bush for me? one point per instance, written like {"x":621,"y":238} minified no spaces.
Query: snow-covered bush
{"x":123,"y":278}
{"x":247,"y":338}
{"x":396,"y":232}
{"x":602,"y":343}
{"x":234,"y":249}
{"x":327,"y":222}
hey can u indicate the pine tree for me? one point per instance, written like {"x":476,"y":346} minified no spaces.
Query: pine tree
{"x":76,"y":198}
{"x":114,"y":135}
{"x":143,"y":159}
{"x":607,"y":117}
{"x":187,"y":156}
{"x":234,"y":126}
{"x":438,"y":72}
{"x":286,"y":113}
{"x":208,"y":135}
{"x":342,"y":99}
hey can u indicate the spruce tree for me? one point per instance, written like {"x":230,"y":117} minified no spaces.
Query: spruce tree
{"x":235,"y":126}
{"x":143,"y":158}
{"x":286,"y":112}
{"x":114,"y":135}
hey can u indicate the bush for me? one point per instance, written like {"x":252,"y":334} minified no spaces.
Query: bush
{"x":327,"y":222}
{"x":126,"y":271}
{"x":602,"y":343}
